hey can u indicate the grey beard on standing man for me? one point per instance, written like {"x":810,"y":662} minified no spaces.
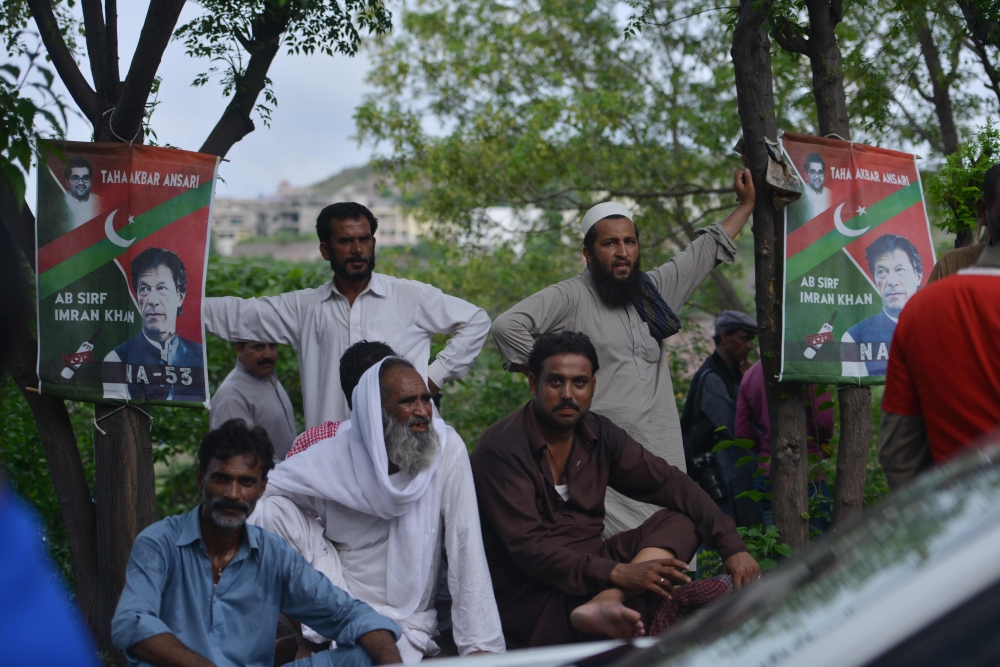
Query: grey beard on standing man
{"x":412,"y":452}
{"x":617,"y":291}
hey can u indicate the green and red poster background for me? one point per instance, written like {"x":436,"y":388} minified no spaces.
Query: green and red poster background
{"x":122,"y":236}
{"x":857,"y":246}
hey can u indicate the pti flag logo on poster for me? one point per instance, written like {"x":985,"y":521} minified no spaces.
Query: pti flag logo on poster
{"x":122,"y":237}
{"x":857,"y":247}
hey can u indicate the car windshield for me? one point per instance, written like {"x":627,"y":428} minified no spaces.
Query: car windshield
{"x":811,"y":595}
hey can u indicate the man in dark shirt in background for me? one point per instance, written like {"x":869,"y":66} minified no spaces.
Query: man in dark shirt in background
{"x":541,"y":477}
{"x":711,"y":406}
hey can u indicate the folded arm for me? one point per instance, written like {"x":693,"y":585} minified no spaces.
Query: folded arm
{"x":512,"y":514}
{"x":440,"y":313}
{"x":643,"y":476}
{"x":136,"y":627}
{"x":167,"y":651}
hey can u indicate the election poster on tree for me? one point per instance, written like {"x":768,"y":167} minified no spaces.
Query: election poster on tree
{"x":857,"y":247}
{"x":122,"y":246}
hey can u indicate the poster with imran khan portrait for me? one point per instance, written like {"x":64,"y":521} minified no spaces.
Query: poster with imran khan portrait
{"x":122,"y":246}
{"x":857,"y":248}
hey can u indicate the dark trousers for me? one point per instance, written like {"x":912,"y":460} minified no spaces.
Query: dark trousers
{"x":547,"y":623}
{"x":736,"y":480}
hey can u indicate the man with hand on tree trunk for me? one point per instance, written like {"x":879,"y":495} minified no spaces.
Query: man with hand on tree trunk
{"x":627,"y":313}
{"x":541,"y":478}
{"x":205,"y":588}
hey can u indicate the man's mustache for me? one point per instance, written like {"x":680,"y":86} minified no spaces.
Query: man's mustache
{"x":358,"y":258}
{"x":230,"y":505}
{"x":566,"y":403}
{"x":416,"y":420}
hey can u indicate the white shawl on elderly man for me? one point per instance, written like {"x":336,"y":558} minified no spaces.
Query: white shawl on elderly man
{"x":379,"y":537}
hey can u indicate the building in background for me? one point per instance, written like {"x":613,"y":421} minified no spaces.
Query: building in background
{"x":273,"y":226}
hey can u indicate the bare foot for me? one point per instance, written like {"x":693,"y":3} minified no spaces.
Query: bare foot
{"x":607,"y":618}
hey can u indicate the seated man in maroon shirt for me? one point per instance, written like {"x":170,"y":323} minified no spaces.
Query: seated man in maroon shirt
{"x":541,"y":476}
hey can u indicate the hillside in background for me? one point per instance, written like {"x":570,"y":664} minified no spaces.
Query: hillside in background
{"x":342,"y":179}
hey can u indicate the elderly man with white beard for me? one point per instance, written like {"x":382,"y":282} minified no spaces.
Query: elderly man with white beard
{"x":374,"y":507}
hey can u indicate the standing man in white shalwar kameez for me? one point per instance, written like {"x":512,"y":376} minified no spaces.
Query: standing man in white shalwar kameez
{"x":391,"y":491}
{"x":320,"y":323}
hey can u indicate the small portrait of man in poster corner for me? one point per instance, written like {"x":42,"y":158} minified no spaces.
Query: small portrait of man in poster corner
{"x":815,"y":194}
{"x":83,"y":204}
{"x":898,"y":271}
{"x":157,"y":363}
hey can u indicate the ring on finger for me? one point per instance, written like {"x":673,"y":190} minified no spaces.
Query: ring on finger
{"x":661,"y":580}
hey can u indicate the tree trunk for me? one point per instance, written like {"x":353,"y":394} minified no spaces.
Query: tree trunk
{"x":827,"y":68}
{"x":831,"y":112}
{"x":852,"y":456}
{"x":125,"y":501}
{"x":755,"y":94}
{"x":940,"y":84}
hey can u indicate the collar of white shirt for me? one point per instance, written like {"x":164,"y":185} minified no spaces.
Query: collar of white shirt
{"x":378,"y":286}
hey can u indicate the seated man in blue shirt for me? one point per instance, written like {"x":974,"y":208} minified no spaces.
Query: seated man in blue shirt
{"x":205,"y":588}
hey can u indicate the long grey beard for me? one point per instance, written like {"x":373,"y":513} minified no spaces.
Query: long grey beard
{"x":412,"y":452}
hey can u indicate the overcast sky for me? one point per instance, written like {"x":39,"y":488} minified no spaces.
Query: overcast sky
{"x":309,"y":138}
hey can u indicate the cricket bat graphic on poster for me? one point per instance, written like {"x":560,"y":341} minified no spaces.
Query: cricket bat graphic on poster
{"x":83,"y":354}
{"x":816,"y":341}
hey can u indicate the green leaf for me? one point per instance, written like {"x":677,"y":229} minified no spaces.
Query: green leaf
{"x":743,"y":460}
{"x":826,"y":405}
{"x":784,"y":550}
{"x":766,"y":564}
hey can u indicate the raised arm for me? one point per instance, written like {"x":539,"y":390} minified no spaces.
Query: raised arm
{"x":677,"y":279}
{"x":515,"y":330}
{"x":136,"y":627}
{"x":475,"y":618}
{"x":274,"y":319}
{"x":469,"y":325}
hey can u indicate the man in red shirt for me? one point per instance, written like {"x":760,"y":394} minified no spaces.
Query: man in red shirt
{"x":943,"y":384}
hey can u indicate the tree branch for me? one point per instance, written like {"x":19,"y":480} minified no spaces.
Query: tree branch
{"x":62,"y":59}
{"x":836,"y":11}
{"x":790,"y":40}
{"x":991,"y":71}
{"x":919,"y":129}
{"x":236,"y":122}
{"x":156,"y":32}
{"x":984,"y":31}
{"x":111,"y":50}
{"x":687,"y":16}
{"x":93,"y":23}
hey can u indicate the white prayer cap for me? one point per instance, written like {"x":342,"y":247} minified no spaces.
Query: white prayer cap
{"x":605,"y":210}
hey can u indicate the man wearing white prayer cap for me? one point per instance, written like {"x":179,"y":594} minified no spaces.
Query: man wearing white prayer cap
{"x":373,"y":507}
{"x":627,"y":313}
